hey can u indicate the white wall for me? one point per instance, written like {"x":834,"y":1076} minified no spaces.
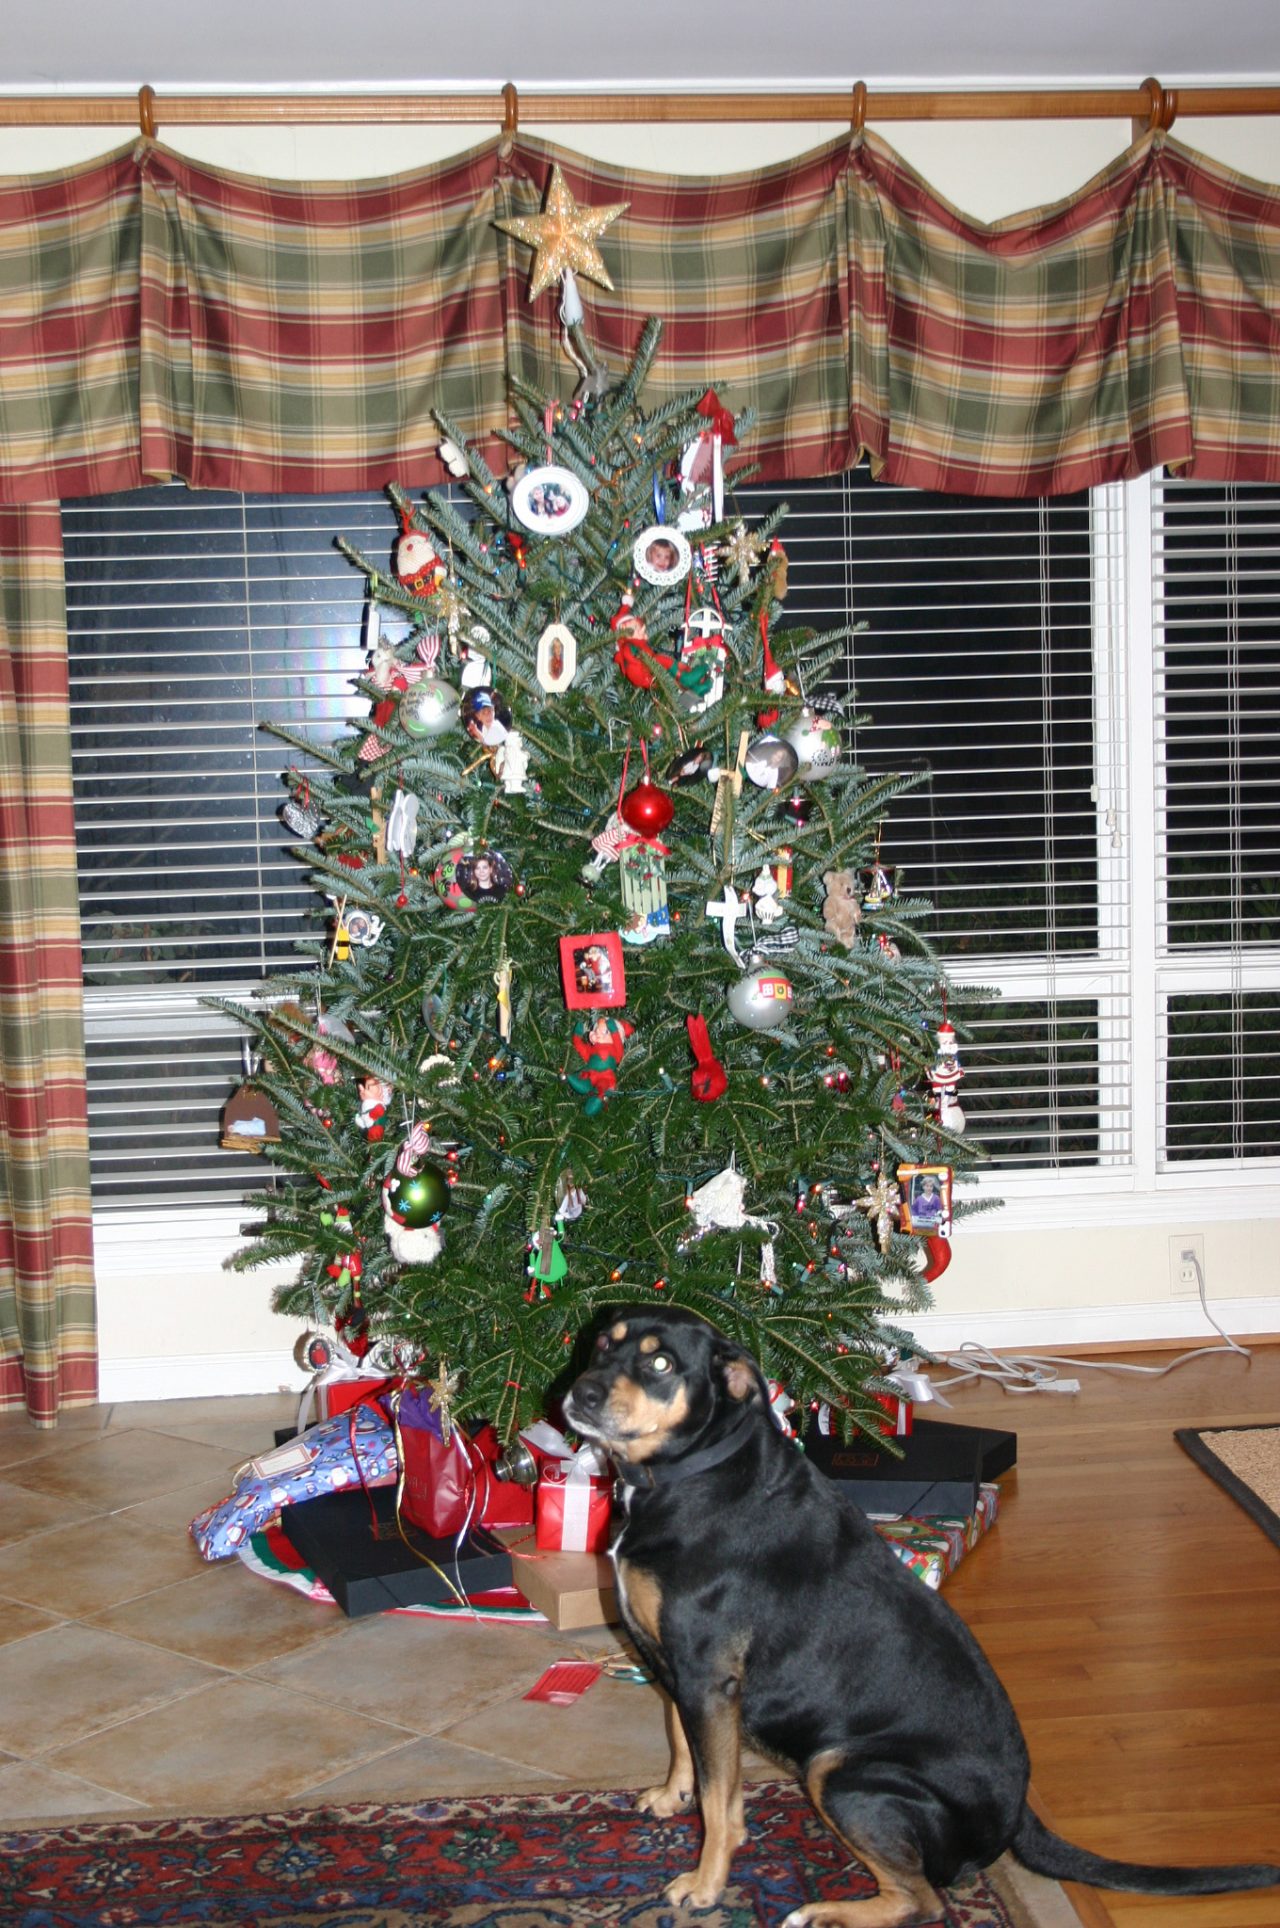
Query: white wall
{"x":1086,"y":1262}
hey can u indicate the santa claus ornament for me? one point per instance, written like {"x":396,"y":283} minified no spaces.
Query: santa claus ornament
{"x":944,"y":1079}
{"x":419,"y":568}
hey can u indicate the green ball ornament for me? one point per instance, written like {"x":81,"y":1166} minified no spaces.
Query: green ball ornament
{"x":420,"y":1200}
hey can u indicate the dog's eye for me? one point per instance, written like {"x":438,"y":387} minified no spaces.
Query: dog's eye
{"x":660,"y":1362}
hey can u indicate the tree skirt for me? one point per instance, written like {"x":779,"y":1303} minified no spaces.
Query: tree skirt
{"x":504,"y":1861}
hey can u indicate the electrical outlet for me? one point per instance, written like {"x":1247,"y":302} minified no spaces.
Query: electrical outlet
{"x":1186,"y":1265}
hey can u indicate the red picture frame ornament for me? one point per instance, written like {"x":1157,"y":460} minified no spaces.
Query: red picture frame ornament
{"x":592,"y":971}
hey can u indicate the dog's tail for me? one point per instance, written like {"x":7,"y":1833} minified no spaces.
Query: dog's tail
{"x":1045,"y":1852}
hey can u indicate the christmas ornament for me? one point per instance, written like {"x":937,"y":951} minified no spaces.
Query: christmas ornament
{"x":511,"y":764}
{"x":936,"y":1257}
{"x":249,"y":1121}
{"x":375,"y":1095}
{"x":762,"y":999}
{"x":768,"y":902}
{"x":879,"y":888}
{"x":476,"y":671}
{"x":402,"y":824}
{"x":881,"y":1202}
{"x":363,"y":927}
{"x":797,"y":809}
{"x":418,"y":567}
{"x":563,"y":236}
{"x":571,"y":1200}
{"x":699,"y":672}
{"x":842,"y":906}
{"x":728,"y":910}
{"x":599,"y":1042}
{"x":486,"y":717}
{"x":428,"y":707}
{"x":453,"y":458}
{"x":661,"y":555}
{"x":502,"y":982}
{"x":466,"y":879}
{"x":592,"y":971}
{"x":635,"y":655}
{"x":301,"y":816}
{"x":771,"y":762}
{"x":702,"y":466}
{"x":926,"y":1198}
{"x":742,"y":550}
{"x":418,"y":1199}
{"x":944,"y":1078}
{"x":547,"y":1263}
{"x":691,"y":766}
{"x":550,"y":500}
{"x":642,"y":879}
{"x":720,"y":1206}
{"x":556,"y":661}
{"x":816,"y":742}
{"x":708,"y":1080}
{"x":646,"y":809}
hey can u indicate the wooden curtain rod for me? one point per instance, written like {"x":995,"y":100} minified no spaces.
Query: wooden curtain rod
{"x":1147,"y":106}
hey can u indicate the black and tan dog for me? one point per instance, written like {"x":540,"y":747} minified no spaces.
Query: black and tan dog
{"x":769,"y":1608}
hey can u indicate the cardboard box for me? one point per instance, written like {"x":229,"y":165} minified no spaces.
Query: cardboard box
{"x":368,"y":1568}
{"x":573,"y":1589}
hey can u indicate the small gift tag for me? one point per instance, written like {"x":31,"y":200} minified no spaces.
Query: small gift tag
{"x":564,"y":1682}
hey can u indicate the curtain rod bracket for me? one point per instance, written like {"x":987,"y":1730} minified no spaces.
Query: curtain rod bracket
{"x":1162,"y":109}
{"x":510,"y":110}
{"x":147,"y":112}
{"x":858,"y":109}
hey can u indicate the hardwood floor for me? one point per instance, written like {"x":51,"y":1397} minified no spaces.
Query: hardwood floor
{"x":1133,"y":1612}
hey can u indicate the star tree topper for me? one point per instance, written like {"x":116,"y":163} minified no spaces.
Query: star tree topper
{"x":563,"y":237}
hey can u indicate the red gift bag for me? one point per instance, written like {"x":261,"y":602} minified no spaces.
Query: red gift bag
{"x":437,"y":1480}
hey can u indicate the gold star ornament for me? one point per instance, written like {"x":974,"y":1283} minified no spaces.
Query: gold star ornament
{"x":563,"y":237}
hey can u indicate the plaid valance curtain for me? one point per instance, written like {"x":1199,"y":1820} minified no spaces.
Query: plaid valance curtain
{"x":158,"y":318}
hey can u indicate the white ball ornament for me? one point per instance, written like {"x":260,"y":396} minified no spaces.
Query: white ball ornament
{"x":816,"y":742}
{"x":762,"y":999}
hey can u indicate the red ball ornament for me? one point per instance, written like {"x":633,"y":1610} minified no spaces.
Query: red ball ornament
{"x":646,"y":809}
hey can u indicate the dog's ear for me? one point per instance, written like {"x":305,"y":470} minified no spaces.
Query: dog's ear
{"x":741,"y":1375}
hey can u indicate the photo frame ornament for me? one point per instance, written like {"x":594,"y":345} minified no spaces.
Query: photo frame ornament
{"x":592,"y":971}
{"x":661,"y":555}
{"x":926,"y":1200}
{"x":550,"y":500}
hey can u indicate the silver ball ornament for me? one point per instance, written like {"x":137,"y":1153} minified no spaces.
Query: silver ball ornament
{"x":761,"y":999}
{"x":429,"y":707}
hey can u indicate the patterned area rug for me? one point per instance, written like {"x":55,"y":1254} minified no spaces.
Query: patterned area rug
{"x":1245,"y":1461}
{"x":504,"y":1861}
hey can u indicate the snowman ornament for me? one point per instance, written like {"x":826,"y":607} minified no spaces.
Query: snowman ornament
{"x":944,"y":1078}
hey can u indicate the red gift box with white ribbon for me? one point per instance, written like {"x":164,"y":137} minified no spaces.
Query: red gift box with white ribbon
{"x":574,"y":1505}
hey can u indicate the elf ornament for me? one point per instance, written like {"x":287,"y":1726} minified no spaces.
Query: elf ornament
{"x":599,"y":1039}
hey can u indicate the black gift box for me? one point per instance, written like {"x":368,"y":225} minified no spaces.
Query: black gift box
{"x":369,"y":1568}
{"x":937,"y":1476}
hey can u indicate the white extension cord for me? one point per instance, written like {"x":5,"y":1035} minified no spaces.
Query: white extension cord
{"x":1024,"y":1372}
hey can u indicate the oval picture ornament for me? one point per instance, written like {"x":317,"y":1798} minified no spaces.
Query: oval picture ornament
{"x":771,"y":762}
{"x":761,"y":999}
{"x":661,"y":555}
{"x":550,"y":500}
{"x":429,"y":707}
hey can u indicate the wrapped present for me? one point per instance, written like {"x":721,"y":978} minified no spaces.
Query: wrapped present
{"x":933,"y":1548}
{"x":574,"y":1504}
{"x":355,"y":1448}
{"x":899,"y":1415}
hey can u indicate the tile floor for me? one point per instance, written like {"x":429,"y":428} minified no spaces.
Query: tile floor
{"x":136,"y":1678}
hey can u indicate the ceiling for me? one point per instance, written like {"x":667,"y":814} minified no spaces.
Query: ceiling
{"x":824,"y":44}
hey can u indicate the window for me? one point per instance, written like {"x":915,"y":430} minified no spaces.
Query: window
{"x":1087,"y":689}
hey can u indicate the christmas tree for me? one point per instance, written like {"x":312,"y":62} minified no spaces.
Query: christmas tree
{"x":616,"y":998}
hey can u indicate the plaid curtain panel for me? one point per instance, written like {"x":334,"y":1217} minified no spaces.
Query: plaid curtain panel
{"x":297,"y":336}
{"x":47,"y":1341}
{"x":69,"y":332}
{"x":749,"y":273}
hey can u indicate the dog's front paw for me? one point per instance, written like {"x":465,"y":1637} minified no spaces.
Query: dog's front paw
{"x":689,"y":1888}
{"x":671,"y":1798}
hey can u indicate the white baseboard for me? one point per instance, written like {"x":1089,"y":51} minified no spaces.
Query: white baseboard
{"x":206,"y":1375}
{"x":1101,"y":1325}
{"x":221,"y":1374}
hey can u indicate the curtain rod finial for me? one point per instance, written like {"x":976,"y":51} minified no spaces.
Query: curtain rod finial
{"x":147,"y":112}
{"x":510,"y":109}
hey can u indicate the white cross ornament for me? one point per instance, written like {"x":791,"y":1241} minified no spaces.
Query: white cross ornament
{"x":727,"y":911}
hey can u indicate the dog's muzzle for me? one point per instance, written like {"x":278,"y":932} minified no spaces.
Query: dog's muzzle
{"x":586,"y":1400}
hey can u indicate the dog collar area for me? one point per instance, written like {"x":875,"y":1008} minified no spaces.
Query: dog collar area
{"x":664,"y":1472}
